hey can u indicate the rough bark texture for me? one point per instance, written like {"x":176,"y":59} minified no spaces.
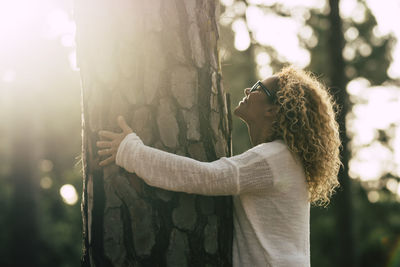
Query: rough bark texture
{"x":155,"y":62}
{"x":342,"y":200}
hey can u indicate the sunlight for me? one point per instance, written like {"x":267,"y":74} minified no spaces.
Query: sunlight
{"x":21,"y":22}
{"x":382,"y":108}
{"x":371,"y":162}
{"x":72,"y":61}
{"x":68,"y":40}
{"x":15,"y":18}
{"x":373,"y":196}
{"x":226,"y":2}
{"x":318,"y":4}
{"x":392,"y":185}
{"x":59,"y":24}
{"x":351,"y":34}
{"x":284,"y":40}
{"x":376,"y":108}
{"x":242,"y":37}
{"x":349,"y":52}
{"x":265,"y":71}
{"x":352,"y":9}
{"x":69,"y":194}
{"x":396,"y":152}
{"x":263,"y":60}
{"x":356,"y":86}
{"x":9,"y":76}
{"x":285,"y":37}
{"x":387,"y":17}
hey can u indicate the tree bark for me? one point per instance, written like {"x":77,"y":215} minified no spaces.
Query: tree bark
{"x":342,"y":200}
{"x":156,"y":63}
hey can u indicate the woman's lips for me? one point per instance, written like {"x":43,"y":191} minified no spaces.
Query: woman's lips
{"x":243,"y":101}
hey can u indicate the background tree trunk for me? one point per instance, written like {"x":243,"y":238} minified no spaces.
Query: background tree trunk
{"x":23,"y":244}
{"x":342,"y":200}
{"x":156,"y":63}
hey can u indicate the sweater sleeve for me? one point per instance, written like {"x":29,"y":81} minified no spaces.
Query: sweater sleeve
{"x":226,"y":176}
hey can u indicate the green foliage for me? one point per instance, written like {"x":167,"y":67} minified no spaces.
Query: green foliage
{"x":371,"y":57}
{"x":377,"y":228}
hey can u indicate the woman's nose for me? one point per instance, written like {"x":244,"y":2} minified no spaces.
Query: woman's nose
{"x":247,"y":91}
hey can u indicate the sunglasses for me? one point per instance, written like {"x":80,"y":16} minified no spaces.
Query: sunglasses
{"x":259,"y":85}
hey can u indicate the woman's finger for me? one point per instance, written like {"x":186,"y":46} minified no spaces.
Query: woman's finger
{"x":103,"y":144}
{"x":107,"y":161}
{"x":124,"y":126}
{"x":103,"y":152}
{"x":108,"y":134}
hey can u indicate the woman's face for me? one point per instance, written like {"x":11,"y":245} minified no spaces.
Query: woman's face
{"x":256,"y":105}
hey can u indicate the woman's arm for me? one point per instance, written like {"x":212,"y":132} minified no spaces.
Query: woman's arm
{"x":248,"y":172}
{"x":177,"y":173}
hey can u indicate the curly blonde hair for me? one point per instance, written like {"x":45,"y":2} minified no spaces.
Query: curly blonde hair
{"x":306,"y":122}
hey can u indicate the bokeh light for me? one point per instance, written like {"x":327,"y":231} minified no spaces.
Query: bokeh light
{"x":46,"y":182}
{"x":46,"y":165}
{"x":69,"y":194}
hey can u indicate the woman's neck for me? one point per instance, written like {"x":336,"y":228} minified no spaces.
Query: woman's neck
{"x":258,"y":135}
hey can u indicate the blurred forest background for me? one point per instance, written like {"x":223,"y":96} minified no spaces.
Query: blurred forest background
{"x":354,"y":47}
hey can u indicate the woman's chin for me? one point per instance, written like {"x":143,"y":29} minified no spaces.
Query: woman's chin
{"x":238,"y":112}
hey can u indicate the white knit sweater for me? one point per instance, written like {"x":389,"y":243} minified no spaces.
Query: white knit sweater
{"x":271,"y":207}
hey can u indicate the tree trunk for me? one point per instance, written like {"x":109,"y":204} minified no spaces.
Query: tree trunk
{"x":23,"y":244}
{"x":342,"y":200}
{"x":156,"y":63}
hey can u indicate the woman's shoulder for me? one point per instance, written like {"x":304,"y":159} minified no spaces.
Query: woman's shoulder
{"x":265,"y":152}
{"x":271,"y":148}
{"x":278,"y":154}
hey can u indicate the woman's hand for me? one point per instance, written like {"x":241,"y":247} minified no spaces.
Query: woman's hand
{"x":110,"y":148}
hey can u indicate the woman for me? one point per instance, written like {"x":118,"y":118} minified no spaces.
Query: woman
{"x":294,"y":162}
